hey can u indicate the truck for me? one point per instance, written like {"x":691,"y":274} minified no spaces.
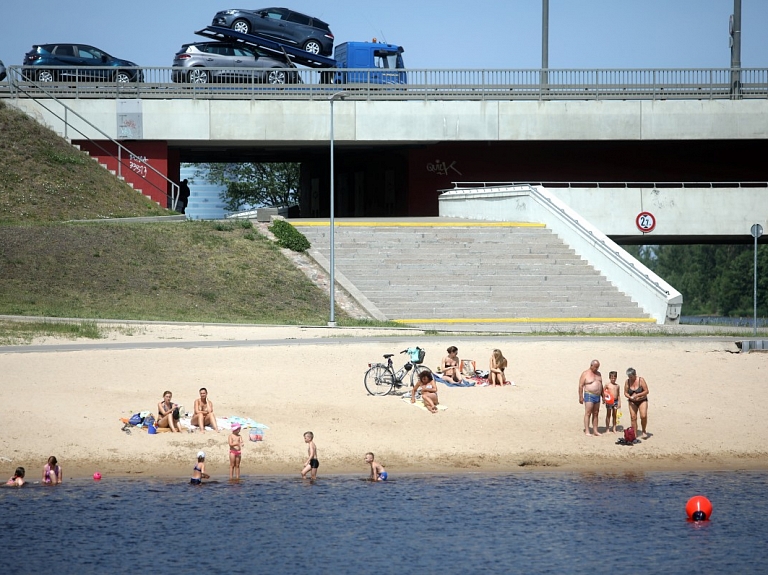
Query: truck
{"x":353,"y":62}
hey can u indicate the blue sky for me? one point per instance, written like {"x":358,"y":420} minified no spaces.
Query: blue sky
{"x":434,"y":33}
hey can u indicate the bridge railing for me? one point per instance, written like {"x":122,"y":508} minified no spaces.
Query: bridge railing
{"x":419,"y":84}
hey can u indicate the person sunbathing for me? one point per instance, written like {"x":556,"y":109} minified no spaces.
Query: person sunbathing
{"x":451,"y":365}
{"x":168,"y":413}
{"x":204,"y":412}
{"x":428,"y":391}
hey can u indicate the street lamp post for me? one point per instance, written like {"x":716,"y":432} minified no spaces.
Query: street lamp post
{"x":757,"y":231}
{"x":332,"y":321}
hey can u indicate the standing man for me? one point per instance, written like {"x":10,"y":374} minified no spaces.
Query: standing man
{"x":204,"y":412}
{"x":183,"y":196}
{"x":590,"y":394}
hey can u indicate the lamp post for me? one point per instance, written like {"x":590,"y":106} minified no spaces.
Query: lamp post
{"x":757,"y":231}
{"x":332,"y":321}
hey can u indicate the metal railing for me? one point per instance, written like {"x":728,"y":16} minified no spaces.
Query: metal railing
{"x":418,"y":84}
{"x":612,"y":185}
{"x":42,"y":91}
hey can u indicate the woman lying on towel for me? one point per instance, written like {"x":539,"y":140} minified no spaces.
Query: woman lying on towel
{"x":428,"y":391}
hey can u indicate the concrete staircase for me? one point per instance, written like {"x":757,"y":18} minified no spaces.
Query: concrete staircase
{"x":441,"y":272}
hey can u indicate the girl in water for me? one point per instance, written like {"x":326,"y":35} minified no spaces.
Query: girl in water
{"x":52,"y":472}
{"x":18,"y":478}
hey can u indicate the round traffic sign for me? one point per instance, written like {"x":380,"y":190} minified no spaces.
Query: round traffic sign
{"x":757,"y":231}
{"x":645,"y":222}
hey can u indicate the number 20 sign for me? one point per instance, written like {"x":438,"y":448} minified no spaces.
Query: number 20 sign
{"x":645,"y":222}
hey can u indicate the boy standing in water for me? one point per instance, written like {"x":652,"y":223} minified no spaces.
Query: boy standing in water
{"x":612,"y":401}
{"x":378,"y":473}
{"x":235,"y":451}
{"x":311,"y":465}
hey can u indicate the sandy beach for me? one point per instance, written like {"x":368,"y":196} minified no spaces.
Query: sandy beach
{"x":703,"y":403}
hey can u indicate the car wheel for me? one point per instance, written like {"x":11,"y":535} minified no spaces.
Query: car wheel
{"x":242,"y":26}
{"x":45,"y":76}
{"x":198,"y":76}
{"x":277,"y":76}
{"x":122,"y":77}
{"x":312,"y":46}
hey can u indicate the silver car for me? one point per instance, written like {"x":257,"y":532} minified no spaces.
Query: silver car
{"x":228,"y":62}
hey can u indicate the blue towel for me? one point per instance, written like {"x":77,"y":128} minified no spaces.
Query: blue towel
{"x":462,"y":383}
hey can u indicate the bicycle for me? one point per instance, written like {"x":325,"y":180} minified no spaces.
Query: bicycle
{"x":382,"y":379}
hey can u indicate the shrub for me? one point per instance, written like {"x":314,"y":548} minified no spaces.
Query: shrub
{"x":288,"y":236}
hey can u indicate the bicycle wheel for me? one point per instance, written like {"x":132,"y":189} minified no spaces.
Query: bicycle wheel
{"x":378,"y":380}
{"x":418,"y":370}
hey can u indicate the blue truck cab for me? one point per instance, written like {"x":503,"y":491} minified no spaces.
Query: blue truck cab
{"x":369,"y":62}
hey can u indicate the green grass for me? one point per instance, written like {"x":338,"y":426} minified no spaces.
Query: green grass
{"x":23,"y":332}
{"x":45,"y":179}
{"x":174,"y":271}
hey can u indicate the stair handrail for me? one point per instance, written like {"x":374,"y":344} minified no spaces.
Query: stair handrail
{"x":12,"y":80}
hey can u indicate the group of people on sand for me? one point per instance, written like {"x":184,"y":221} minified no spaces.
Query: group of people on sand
{"x":169,"y":415}
{"x":593,"y":392}
{"x":451,"y":367}
{"x":53,"y":474}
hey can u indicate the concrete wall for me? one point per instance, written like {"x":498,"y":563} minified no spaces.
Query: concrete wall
{"x":678,"y":212}
{"x":293,"y":121}
{"x":535,"y":204}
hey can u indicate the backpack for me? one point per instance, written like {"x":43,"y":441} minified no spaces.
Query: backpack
{"x":416,"y":354}
{"x":629,"y":435}
{"x":135,"y":419}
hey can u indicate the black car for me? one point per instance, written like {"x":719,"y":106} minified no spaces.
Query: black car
{"x":282,"y":24}
{"x":2,"y":71}
{"x":43,"y":63}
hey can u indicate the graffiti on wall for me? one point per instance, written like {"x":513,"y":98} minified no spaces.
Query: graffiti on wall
{"x":441,"y":168}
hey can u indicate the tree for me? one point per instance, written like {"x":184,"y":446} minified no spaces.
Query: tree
{"x":254,"y":185}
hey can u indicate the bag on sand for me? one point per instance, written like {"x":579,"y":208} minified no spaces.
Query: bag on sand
{"x":135,"y":419}
{"x":629,"y":435}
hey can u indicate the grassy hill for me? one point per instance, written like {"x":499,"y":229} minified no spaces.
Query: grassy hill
{"x":178,"y":271}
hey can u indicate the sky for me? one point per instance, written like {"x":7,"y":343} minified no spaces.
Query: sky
{"x":488,"y":34}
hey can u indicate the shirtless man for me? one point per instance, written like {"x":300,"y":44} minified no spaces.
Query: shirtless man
{"x":590,"y":394}
{"x":204,"y":412}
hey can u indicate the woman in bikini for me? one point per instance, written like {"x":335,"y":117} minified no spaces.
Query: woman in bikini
{"x":496,"y":368}
{"x":168,"y":413}
{"x":452,"y":365}
{"x":428,"y":391}
{"x":636,"y":392}
{"x":52,"y":472}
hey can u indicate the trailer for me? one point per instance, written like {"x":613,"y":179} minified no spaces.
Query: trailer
{"x":354,"y":62}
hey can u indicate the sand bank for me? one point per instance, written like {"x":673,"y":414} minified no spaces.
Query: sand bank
{"x":703,"y":405}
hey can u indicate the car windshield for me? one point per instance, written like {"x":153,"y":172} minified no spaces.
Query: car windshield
{"x":383,"y":59}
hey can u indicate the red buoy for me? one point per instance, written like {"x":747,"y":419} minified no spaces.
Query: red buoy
{"x":698,"y":508}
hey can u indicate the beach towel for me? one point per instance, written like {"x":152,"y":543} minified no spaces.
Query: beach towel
{"x":420,"y":404}
{"x":462,"y":383}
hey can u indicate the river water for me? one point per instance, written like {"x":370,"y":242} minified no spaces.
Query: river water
{"x":532,"y":522}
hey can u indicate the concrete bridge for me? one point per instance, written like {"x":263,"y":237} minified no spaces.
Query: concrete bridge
{"x":695,"y":161}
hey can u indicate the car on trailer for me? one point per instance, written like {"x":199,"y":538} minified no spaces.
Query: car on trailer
{"x":228,"y":62}
{"x":307,"y":32}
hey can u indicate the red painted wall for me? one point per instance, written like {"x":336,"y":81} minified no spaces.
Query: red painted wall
{"x":154,"y":153}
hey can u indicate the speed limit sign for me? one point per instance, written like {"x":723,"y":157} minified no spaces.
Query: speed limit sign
{"x":645,"y":222}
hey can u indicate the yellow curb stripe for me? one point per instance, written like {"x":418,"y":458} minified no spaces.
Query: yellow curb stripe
{"x":531,"y":320}
{"x":420,"y":225}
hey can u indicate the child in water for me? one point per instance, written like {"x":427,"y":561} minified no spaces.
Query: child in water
{"x":378,"y":473}
{"x":612,"y":401}
{"x":311,"y":464}
{"x":18,"y":478}
{"x":198,"y":473}
{"x":235,"y":451}
{"x":52,"y":472}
